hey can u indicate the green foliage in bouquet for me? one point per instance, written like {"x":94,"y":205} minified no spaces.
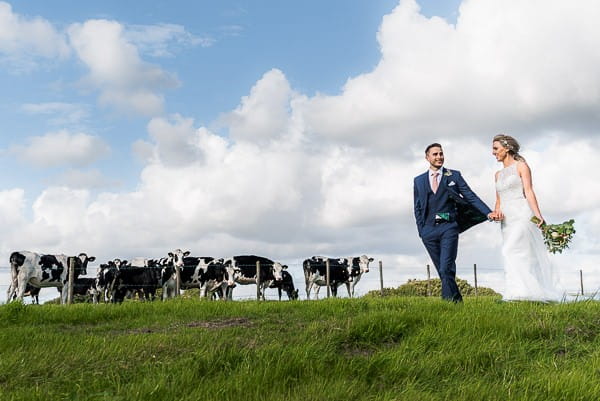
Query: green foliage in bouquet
{"x":556,"y":236}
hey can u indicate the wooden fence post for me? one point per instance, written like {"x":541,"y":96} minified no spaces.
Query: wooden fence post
{"x":258,"y":280}
{"x":381,"y":276}
{"x":71,"y":281}
{"x":475,"y":275}
{"x":428,"y":281}
{"x":327,"y":278}
{"x":581,"y":280}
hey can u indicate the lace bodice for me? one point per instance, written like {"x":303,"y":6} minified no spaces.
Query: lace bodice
{"x":509,"y":185}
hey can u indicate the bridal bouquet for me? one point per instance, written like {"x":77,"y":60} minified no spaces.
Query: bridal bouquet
{"x":556,"y":236}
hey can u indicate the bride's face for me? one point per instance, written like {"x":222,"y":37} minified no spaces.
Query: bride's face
{"x":499,"y":151}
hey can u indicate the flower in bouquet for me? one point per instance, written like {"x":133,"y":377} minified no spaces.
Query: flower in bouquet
{"x":556,"y":236}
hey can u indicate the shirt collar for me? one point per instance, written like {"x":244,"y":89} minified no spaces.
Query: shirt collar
{"x":430,"y":172}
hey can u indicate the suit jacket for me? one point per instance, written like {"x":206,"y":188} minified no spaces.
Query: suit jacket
{"x":470,"y":210}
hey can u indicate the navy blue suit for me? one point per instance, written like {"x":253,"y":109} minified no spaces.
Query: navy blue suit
{"x":463,"y":209}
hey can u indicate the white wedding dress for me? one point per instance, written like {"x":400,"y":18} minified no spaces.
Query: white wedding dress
{"x":529,"y":274}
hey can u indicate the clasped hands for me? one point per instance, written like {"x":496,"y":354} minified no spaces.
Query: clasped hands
{"x":496,"y":215}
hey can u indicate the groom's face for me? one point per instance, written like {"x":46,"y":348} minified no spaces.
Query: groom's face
{"x":435,"y":157}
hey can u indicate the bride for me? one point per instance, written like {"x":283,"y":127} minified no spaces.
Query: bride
{"x":529,"y":274}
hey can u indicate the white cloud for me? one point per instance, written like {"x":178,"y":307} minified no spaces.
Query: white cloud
{"x":12,"y":204}
{"x":61,"y":113}
{"x":84,"y":179}
{"x":61,"y":149}
{"x":506,"y":65}
{"x":160,"y":40}
{"x":262,"y":115}
{"x":176,"y":142}
{"x":125,"y":81}
{"x":24,"y":40}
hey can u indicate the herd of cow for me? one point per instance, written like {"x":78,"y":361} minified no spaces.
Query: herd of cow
{"x":214,"y":277}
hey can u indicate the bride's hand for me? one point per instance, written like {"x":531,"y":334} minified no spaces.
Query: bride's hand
{"x":541,"y":222}
{"x":499,"y":215}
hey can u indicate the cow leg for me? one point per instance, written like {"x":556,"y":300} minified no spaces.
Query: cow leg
{"x":229,"y":293}
{"x":222,"y":291}
{"x":309,"y":287}
{"x":11,"y":293}
{"x":96,"y":296}
{"x":279,"y":292}
{"x":317,"y":288}
{"x":64,"y":293}
{"x":21,"y":287}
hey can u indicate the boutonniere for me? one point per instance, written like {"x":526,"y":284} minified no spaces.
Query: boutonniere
{"x":448,"y":173}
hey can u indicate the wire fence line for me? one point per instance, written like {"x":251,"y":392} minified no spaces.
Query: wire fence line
{"x":380,"y":276}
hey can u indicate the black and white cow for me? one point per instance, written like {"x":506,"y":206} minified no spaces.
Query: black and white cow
{"x":286,"y":284}
{"x":315,"y":274}
{"x":143,"y":280}
{"x":360,"y":266}
{"x":175,"y":261}
{"x":208,"y":274}
{"x":84,"y":287}
{"x":43,"y":271}
{"x":346,"y":271}
{"x":245,"y":272}
{"x":105,"y":279}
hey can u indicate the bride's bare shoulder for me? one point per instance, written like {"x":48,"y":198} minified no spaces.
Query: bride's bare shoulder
{"x":522,"y":165}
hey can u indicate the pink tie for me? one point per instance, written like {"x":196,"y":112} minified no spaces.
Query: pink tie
{"x":434,"y":183}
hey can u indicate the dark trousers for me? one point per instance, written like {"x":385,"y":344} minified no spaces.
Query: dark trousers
{"x":441,"y":242}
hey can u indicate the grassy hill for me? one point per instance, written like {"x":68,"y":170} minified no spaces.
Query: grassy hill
{"x":395,"y":348}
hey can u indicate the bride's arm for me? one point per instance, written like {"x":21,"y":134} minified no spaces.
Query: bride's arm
{"x":497,"y":210}
{"x":525,"y":174}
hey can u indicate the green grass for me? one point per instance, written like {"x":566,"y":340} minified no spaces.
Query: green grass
{"x":396,"y":348}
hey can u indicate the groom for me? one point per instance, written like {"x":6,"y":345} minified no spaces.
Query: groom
{"x":444,"y":207}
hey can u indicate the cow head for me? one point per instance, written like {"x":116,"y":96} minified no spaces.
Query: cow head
{"x":118,"y":263}
{"x":230,"y":272}
{"x":363,"y":263}
{"x":81,"y":262}
{"x":278,"y":269}
{"x":177,"y":257}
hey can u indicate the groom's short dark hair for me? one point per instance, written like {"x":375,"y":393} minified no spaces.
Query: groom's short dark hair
{"x":433,"y":145}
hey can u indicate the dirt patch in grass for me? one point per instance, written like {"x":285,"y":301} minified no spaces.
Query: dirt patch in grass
{"x":221,"y":324}
{"x":211,"y":325}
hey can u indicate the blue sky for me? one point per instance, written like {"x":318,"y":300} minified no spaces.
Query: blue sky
{"x":284,"y":128}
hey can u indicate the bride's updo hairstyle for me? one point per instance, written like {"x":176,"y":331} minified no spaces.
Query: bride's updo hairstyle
{"x":509,"y":143}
